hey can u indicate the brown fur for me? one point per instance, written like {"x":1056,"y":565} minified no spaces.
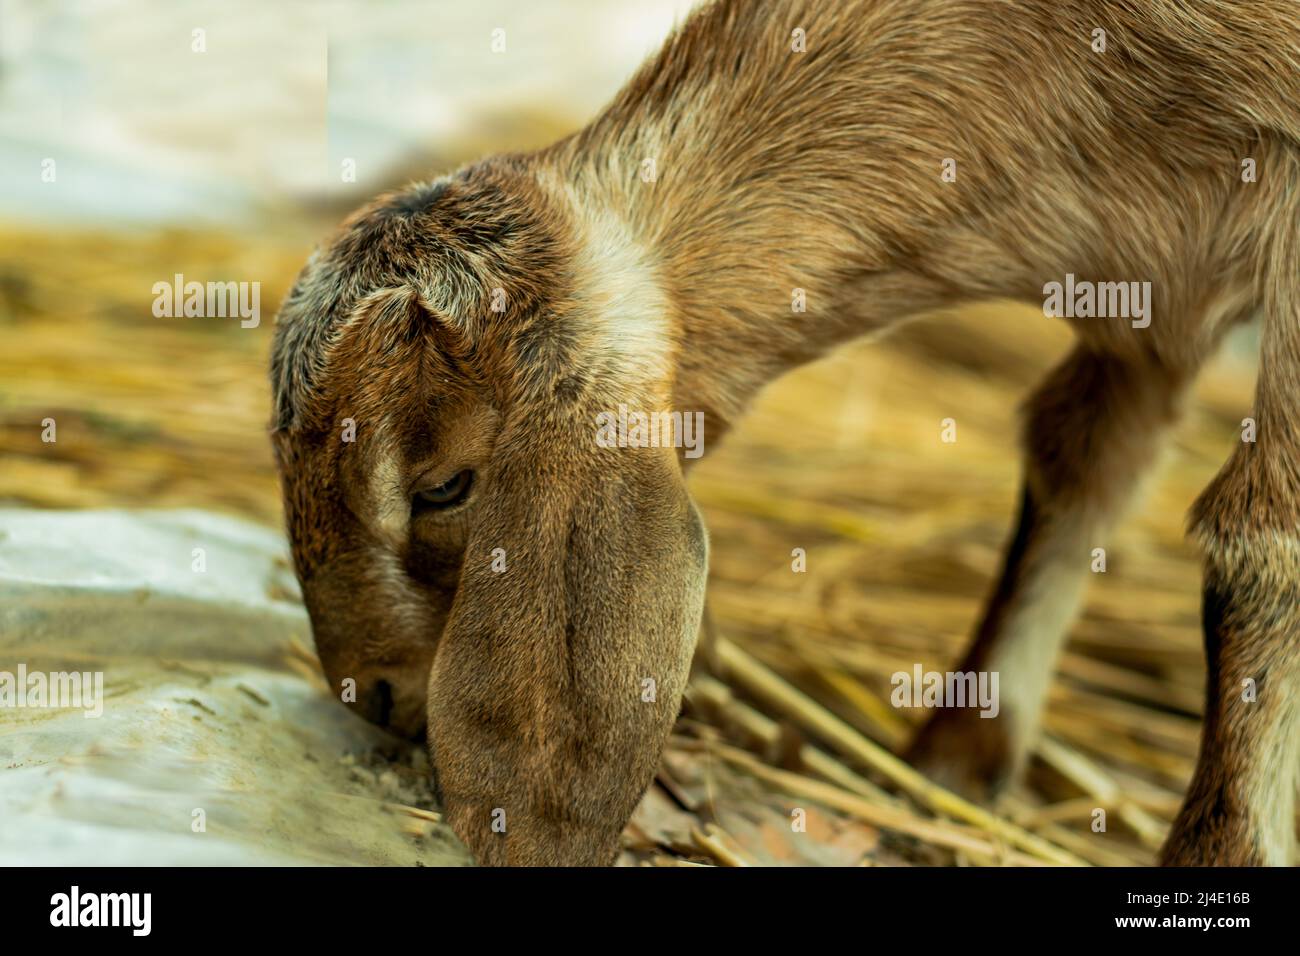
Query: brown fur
{"x":820,"y":171}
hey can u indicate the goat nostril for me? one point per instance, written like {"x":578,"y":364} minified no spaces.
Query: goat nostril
{"x":379,"y":706}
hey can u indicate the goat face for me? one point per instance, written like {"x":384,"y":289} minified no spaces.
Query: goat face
{"x":439,"y":370}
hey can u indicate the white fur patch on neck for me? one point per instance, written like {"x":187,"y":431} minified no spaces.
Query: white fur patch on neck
{"x":624,"y":315}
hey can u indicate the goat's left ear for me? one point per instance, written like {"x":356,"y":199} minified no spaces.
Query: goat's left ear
{"x":562,"y":665}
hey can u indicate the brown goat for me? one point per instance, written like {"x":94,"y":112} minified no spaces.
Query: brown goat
{"x":886,"y":158}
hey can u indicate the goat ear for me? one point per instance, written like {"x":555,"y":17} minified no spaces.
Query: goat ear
{"x":562,"y":665}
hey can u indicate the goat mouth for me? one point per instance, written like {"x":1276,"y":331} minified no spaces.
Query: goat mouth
{"x":379,"y":706}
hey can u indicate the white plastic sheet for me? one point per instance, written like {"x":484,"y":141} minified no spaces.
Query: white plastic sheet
{"x":218,"y":742}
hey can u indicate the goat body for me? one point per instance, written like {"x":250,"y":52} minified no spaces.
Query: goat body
{"x":870,"y":160}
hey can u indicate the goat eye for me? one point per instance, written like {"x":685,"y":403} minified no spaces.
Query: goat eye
{"x":446,"y":495}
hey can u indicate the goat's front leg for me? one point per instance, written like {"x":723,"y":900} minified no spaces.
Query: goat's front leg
{"x":1093,"y":427}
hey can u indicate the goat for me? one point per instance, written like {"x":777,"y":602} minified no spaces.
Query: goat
{"x":476,"y":559}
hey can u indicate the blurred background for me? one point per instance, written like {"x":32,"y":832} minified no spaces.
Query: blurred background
{"x":220,"y":141}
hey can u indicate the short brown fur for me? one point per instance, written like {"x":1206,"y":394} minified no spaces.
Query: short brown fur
{"x":483,"y":321}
